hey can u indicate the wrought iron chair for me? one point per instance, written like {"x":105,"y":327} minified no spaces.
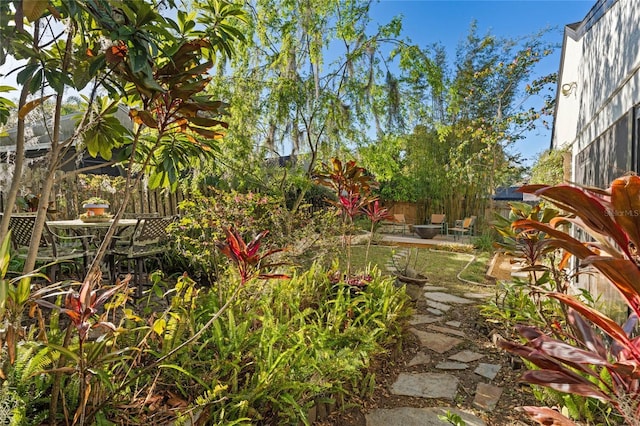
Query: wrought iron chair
{"x":53,"y":250}
{"x":148,"y":241}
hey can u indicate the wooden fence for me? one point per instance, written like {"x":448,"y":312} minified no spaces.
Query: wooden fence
{"x":67,"y":202}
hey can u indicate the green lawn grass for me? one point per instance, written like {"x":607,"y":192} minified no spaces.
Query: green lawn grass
{"x":440,"y":267}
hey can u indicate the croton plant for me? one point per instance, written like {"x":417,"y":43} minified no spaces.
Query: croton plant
{"x":598,"y":357}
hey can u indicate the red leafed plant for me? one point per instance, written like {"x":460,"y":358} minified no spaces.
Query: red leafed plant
{"x":376,"y":213}
{"x":82,"y":306}
{"x":246,"y":257}
{"x":82,"y":309}
{"x":599,"y":358}
{"x":352,"y":186}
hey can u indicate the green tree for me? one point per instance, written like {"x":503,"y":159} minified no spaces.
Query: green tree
{"x":311,"y":81}
{"x":549,"y":167}
{"x":153,"y":63}
{"x":465,"y":118}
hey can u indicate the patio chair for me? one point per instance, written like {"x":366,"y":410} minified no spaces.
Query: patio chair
{"x":134,"y":250}
{"x":54,"y":248}
{"x":398,"y":221}
{"x":440,"y":219}
{"x":463,"y":227}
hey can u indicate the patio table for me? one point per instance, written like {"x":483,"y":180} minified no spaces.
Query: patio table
{"x":79,"y":224}
{"x":96,"y":229}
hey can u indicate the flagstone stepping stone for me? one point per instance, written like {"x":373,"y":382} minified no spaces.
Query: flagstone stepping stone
{"x":447,"y":330}
{"x":433,"y":288}
{"x":419,"y":359}
{"x":466,"y":356}
{"x":422,"y":319}
{"x":479,"y":295}
{"x":439,"y":306}
{"x":449,"y":365}
{"x":410,"y":416}
{"x":435,"y":311}
{"x":446,"y":298}
{"x":426,"y":385}
{"x":490,"y":371}
{"x":487,"y":396}
{"x":455,"y":324}
{"x":437,"y":342}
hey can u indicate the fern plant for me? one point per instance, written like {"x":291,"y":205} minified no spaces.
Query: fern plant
{"x":25,"y":389}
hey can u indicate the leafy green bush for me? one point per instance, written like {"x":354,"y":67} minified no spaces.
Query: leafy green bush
{"x":242,"y":352}
{"x":286,"y":343}
{"x":203,"y":219}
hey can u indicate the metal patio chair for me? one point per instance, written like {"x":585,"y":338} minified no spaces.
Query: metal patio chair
{"x":54,"y":249}
{"x":463,"y":227}
{"x":147,"y":242}
{"x":440,"y":219}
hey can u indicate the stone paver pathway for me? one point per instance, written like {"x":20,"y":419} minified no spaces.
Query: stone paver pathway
{"x":445,"y":356}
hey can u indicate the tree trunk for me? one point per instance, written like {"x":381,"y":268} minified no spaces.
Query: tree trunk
{"x":17,"y":170}
{"x":54,"y":160}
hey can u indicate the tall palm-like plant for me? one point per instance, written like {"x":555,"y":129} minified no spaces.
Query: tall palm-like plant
{"x":352,"y":186}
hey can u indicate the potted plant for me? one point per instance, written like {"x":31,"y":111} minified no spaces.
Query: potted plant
{"x":95,"y":206}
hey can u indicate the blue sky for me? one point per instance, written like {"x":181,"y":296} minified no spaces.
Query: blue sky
{"x":447,"y":21}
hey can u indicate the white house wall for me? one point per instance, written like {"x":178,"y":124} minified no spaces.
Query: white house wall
{"x":609,"y":69}
{"x":595,"y":117}
{"x":566,"y":120}
{"x":603,"y":62}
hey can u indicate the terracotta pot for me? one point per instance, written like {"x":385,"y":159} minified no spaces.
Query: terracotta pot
{"x":95,"y":209}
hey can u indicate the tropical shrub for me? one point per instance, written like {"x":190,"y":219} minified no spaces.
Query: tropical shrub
{"x":549,"y":168}
{"x":525,"y":299}
{"x":352,"y":187}
{"x":203,"y":219}
{"x":591,"y":355}
{"x":286,"y":344}
{"x":250,"y":350}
